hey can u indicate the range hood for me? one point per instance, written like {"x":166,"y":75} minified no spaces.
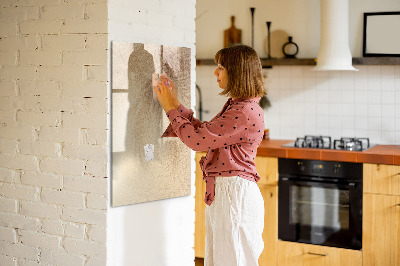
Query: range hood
{"x":334,"y":51}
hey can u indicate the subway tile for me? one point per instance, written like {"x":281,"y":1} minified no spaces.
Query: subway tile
{"x":360,"y":124}
{"x":347,"y":109}
{"x":348,"y":122}
{"x":322,"y":109}
{"x":374,"y":123}
{"x":322,"y":83}
{"x":361,"y":110}
{"x":297,"y":83}
{"x":334,"y":109}
{"x":375,"y":136}
{"x":388,"y":124}
{"x":310,"y":108}
{"x":335,"y":122}
{"x":335,"y":95}
{"x":374,"y":84}
{"x":374,"y":97}
{"x":397,"y":123}
{"x":388,"y":84}
{"x":348,"y":96}
{"x":388,"y":137}
{"x":388,"y":97}
{"x":374,"y":110}
{"x":361,"y":97}
{"x":397,"y":72}
{"x":322,"y":122}
{"x":388,"y":110}
{"x":387,"y":71}
{"x":322,"y":95}
{"x":348,"y":132}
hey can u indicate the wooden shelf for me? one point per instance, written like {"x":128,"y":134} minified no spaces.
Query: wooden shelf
{"x":376,"y":61}
{"x":312,"y":61}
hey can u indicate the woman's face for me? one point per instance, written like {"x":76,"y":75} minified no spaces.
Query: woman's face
{"x":222,"y":76}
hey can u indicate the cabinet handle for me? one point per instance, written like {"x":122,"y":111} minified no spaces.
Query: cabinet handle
{"x":318,"y":254}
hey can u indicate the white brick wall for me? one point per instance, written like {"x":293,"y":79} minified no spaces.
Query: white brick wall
{"x":53,"y":138}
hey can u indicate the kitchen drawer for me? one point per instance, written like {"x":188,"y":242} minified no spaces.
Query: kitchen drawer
{"x":381,"y":179}
{"x":298,"y":254}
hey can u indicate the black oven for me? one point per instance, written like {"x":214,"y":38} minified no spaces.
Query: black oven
{"x":320,"y":202}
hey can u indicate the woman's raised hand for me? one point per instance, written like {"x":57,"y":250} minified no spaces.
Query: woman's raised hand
{"x":174,"y":91}
{"x":164,"y":94}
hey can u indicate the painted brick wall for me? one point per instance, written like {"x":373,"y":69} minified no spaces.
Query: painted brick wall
{"x":53,"y":121}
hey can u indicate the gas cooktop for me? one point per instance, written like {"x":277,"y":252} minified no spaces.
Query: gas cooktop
{"x":325,"y":142}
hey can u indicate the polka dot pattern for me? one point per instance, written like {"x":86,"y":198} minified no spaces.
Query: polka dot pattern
{"x":231,"y":139}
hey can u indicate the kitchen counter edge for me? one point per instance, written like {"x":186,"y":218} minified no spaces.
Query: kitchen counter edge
{"x":378,"y":154}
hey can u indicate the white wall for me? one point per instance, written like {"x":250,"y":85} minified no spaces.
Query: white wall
{"x":299,"y":18}
{"x":337,"y":104}
{"x":160,"y":232}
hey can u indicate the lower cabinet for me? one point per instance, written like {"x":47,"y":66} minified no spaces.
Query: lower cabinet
{"x":270,"y":233}
{"x":298,"y":254}
{"x":200,"y":207}
{"x":381,"y":230}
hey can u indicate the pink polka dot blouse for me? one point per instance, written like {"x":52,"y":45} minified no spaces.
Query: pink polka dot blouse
{"x":231,"y":139}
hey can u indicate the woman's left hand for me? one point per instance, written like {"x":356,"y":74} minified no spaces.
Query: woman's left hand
{"x":163,"y":91}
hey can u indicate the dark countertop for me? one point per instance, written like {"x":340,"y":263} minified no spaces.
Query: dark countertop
{"x":379,"y":154}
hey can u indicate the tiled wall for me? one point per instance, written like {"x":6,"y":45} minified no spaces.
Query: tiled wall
{"x":338,"y":104}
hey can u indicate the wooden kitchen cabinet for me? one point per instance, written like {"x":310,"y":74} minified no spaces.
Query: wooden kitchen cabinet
{"x":298,"y":254}
{"x":270,"y":233}
{"x":267,"y":167}
{"x":381,"y":179}
{"x":381,"y":230}
{"x":381,"y":215}
{"x":200,"y":207}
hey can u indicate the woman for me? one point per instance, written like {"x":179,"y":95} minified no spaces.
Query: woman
{"x":235,"y":207}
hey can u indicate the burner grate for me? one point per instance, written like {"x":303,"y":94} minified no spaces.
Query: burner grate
{"x":351,"y":144}
{"x":321,"y":142}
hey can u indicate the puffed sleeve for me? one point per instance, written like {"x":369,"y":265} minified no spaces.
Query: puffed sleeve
{"x":186,"y":113}
{"x":224,"y":130}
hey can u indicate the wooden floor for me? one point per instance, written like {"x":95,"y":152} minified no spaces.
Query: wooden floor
{"x":199,"y":262}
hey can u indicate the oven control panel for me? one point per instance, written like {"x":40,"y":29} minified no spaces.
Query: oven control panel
{"x":331,"y":169}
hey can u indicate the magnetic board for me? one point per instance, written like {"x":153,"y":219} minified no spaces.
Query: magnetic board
{"x":144,"y":166}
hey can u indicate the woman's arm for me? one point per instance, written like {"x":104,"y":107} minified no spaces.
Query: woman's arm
{"x":187,"y":113}
{"x":228,"y":129}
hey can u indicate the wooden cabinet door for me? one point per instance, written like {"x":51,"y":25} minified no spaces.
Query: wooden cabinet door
{"x":381,"y":230}
{"x":298,"y":254}
{"x":200,"y":207}
{"x":270,"y":233}
{"x":267,"y":168}
{"x":381,"y":179}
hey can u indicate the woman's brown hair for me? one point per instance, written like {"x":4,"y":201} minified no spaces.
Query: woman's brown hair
{"x":245,"y":78}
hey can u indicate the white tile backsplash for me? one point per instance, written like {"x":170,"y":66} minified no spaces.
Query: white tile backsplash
{"x":364,"y":103}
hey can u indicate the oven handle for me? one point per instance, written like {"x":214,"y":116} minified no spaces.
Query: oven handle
{"x":297,"y":181}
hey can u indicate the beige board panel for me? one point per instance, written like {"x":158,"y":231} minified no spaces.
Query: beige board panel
{"x":137,"y":121}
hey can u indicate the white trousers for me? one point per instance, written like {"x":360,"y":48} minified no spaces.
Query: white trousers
{"x":234,"y":223}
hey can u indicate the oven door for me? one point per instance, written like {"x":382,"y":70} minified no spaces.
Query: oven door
{"x":321,"y":212}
